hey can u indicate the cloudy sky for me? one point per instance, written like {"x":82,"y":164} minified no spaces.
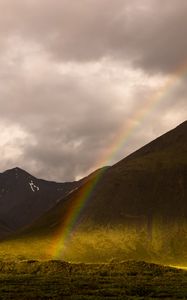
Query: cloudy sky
{"x":79,"y":77}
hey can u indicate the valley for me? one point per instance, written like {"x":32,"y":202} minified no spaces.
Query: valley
{"x":111,"y":235}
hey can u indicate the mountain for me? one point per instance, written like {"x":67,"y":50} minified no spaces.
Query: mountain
{"x":150,"y":183}
{"x":24,"y":198}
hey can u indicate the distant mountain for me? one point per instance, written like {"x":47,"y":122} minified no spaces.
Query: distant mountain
{"x":151,"y":182}
{"x":24,"y":198}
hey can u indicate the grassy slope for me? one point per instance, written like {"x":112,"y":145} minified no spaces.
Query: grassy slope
{"x":152,"y":178}
{"x":126,"y":188}
{"x":150,"y":182}
{"x":60,"y":280}
{"x":101,"y":245}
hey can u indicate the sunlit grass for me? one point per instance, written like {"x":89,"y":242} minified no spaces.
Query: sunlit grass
{"x":167,"y":245}
{"x":179,"y":267}
{"x":25,"y":248}
{"x":103,"y":244}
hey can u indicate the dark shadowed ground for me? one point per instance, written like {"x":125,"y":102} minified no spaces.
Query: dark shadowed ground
{"x":60,"y":280}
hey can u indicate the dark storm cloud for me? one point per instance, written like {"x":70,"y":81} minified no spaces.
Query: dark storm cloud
{"x":72,"y":73}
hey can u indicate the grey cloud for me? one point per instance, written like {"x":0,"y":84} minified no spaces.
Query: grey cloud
{"x":72,"y":73}
{"x":68,"y":129}
{"x":150,"y":34}
{"x":68,"y":119}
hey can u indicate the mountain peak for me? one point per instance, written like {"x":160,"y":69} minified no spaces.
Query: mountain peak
{"x":16,"y":171}
{"x":24,"y":198}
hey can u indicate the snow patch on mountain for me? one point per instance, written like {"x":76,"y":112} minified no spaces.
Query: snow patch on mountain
{"x":72,"y":191}
{"x":34,"y":187}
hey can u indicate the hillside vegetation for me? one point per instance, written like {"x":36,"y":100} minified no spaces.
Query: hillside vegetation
{"x":59,"y":280}
{"x":103,"y":244}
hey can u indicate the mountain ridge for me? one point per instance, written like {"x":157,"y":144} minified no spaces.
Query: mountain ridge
{"x":24,"y":198}
{"x":148,"y":183}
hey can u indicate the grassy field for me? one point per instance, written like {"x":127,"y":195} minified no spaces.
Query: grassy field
{"x":60,"y":280}
{"x":100,"y":263}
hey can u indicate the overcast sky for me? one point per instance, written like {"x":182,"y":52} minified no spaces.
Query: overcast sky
{"x":77,"y":76}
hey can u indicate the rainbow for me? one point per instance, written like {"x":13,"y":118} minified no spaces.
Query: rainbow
{"x":63,"y":235}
